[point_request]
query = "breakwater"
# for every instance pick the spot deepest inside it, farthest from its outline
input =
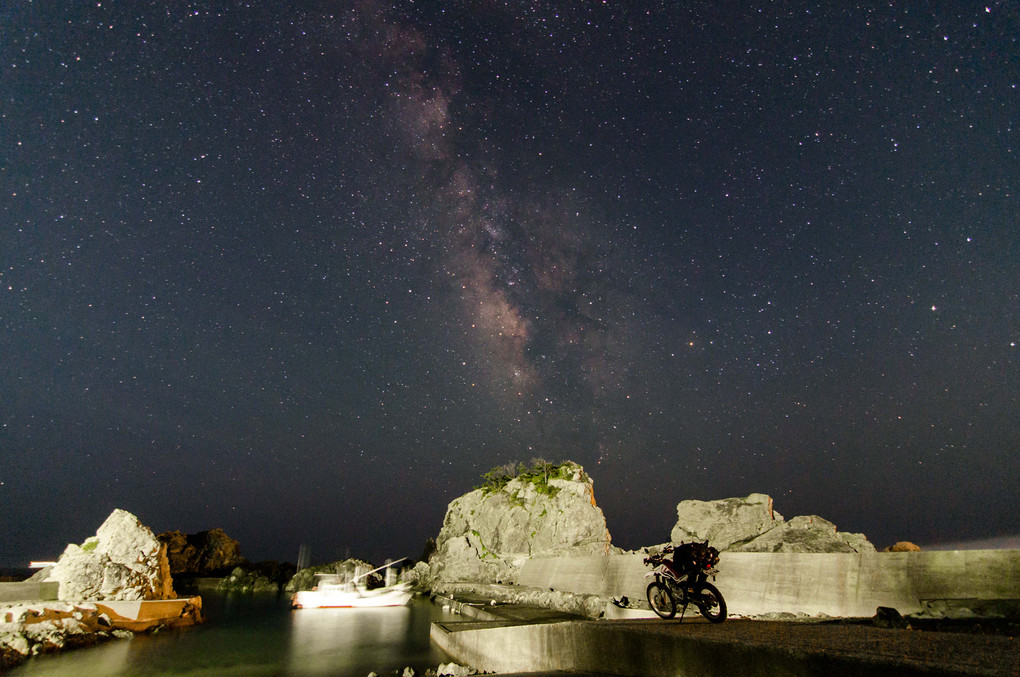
(961, 582)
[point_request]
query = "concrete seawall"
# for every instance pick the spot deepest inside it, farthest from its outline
(746, 648)
(29, 590)
(985, 582)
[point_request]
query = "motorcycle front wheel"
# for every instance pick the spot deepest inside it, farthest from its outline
(710, 602)
(660, 598)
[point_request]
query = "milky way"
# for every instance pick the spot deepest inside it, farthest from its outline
(306, 274)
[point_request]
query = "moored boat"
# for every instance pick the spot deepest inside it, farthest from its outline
(332, 591)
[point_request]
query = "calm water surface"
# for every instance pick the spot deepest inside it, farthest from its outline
(262, 636)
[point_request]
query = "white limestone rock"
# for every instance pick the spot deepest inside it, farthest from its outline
(488, 535)
(807, 533)
(123, 561)
(751, 524)
(725, 522)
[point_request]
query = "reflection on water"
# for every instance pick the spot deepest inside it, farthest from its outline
(262, 636)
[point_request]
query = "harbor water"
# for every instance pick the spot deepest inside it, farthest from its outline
(262, 636)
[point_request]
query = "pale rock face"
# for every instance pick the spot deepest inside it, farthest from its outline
(807, 533)
(123, 561)
(725, 522)
(752, 525)
(487, 537)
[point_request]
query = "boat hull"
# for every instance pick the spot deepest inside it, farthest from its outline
(335, 599)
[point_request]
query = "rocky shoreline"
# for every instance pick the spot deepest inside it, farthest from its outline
(520, 514)
(33, 628)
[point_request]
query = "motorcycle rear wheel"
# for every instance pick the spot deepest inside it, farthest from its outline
(661, 599)
(710, 602)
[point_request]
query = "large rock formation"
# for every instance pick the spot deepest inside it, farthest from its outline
(489, 533)
(751, 525)
(207, 553)
(123, 561)
(724, 522)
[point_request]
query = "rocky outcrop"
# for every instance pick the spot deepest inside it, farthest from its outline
(548, 510)
(207, 553)
(123, 561)
(752, 525)
(305, 579)
(247, 581)
(268, 576)
(31, 629)
(726, 522)
(806, 533)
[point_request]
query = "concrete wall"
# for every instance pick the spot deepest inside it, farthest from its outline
(835, 584)
(28, 590)
(639, 651)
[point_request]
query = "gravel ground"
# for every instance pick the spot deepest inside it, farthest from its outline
(961, 652)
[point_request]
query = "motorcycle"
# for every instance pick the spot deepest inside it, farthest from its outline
(683, 581)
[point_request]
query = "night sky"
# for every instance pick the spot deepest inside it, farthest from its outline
(305, 273)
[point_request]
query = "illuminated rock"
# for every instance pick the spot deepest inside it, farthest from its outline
(752, 525)
(123, 561)
(725, 522)
(806, 533)
(489, 533)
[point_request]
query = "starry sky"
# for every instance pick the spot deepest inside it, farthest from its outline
(305, 271)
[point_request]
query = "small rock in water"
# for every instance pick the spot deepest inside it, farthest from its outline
(454, 670)
(408, 672)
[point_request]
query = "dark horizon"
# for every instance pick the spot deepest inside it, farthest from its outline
(306, 275)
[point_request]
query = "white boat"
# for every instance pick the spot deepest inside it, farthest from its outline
(332, 591)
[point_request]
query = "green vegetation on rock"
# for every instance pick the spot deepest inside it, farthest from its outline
(539, 473)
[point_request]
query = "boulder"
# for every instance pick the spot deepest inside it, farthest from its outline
(903, 546)
(806, 533)
(752, 525)
(123, 561)
(726, 522)
(268, 576)
(206, 553)
(546, 511)
(247, 581)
